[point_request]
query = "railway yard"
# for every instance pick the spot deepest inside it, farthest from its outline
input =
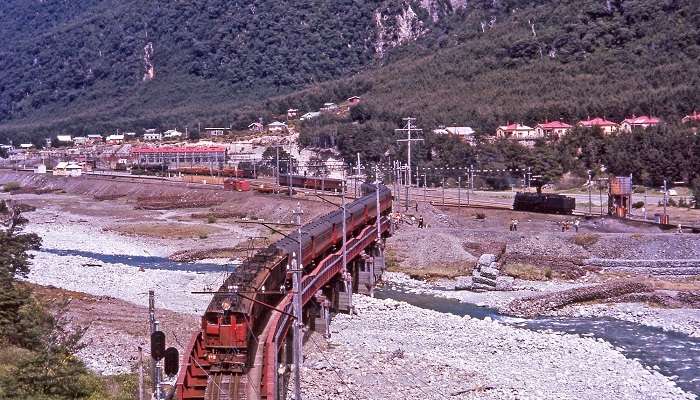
(106, 244)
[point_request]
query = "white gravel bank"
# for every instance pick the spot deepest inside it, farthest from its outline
(396, 351)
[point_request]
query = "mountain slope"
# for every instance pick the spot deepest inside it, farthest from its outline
(97, 65)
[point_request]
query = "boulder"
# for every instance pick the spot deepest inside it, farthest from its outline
(486, 259)
(489, 272)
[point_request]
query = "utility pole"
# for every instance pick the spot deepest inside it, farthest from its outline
(153, 327)
(140, 373)
(379, 211)
(471, 181)
(425, 185)
(590, 205)
(459, 190)
(358, 171)
(665, 193)
(298, 267)
(409, 129)
(443, 191)
(345, 237)
(528, 179)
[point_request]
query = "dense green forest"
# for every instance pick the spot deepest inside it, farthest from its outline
(78, 67)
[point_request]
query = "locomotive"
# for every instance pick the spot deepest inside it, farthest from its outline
(544, 203)
(238, 311)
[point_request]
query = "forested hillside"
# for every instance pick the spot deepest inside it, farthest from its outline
(104, 64)
(97, 65)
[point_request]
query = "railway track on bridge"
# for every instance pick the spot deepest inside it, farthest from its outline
(242, 348)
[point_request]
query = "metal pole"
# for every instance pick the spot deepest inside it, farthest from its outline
(277, 173)
(528, 179)
(157, 373)
(345, 249)
(471, 180)
(379, 211)
(600, 188)
(459, 191)
(153, 328)
(443, 190)
(590, 205)
(664, 221)
(296, 283)
(406, 198)
(425, 185)
(140, 373)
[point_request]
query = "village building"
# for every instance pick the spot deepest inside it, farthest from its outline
(95, 138)
(552, 130)
(80, 140)
(642, 122)
(26, 146)
(64, 139)
(67, 168)
(216, 132)
(310, 115)
(256, 127)
(276, 127)
(129, 135)
(694, 117)
(608, 127)
(292, 113)
(115, 139)
(464, 133)
(172, 134)
(152, 136)
(353, 101)
(329, 108)
(176, 157)
(522, 134)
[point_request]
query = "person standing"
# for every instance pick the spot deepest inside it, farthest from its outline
(577, 222)
(420, 222)
(515, 224)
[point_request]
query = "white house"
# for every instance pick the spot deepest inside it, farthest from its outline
(151, 136)
(276, 127)
(26, 146)
(65, 168)
(256, 127)
(643, 122)
(80, 140)
(464, 133)
(64, 139)
(329, 107)
(523, 134)
(95, 138)
(310, 115)
(552, 129)
(172, 134)
(115, 139)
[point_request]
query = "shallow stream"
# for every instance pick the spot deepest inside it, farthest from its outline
(673, 354)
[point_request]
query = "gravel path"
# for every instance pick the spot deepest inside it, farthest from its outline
(392, 350)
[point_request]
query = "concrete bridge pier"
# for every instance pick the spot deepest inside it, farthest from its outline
(342, 294)
(322, 314)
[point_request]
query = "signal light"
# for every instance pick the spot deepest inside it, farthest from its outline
(172, 361)
(157, 345)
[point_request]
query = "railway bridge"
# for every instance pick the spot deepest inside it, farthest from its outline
(243, 348)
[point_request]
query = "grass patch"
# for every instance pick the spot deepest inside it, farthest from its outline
(211, 219)
(11, 187)
(166, 231)
(528, 272)
(585, 239)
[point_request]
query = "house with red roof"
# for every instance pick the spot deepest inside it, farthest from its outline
(694, 117)
(552, 129)
(643, 122)
(608, 127)
(523, 134)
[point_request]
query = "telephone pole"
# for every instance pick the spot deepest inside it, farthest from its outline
(297, 268)
(409, 129)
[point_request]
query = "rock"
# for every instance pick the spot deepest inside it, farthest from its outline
(485, 281)
(489, 272)
(486, 259)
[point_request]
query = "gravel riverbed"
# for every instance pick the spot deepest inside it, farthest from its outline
(392, 350)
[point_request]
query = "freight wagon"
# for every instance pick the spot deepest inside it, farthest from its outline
(312, 182)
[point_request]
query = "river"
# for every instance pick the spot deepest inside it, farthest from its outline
(673, 354)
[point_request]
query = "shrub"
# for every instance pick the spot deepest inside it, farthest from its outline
(639, 189)
(203, 236)
(585, 239)
(11, 186)
(211, 219)
(638, 204)
(480, 215)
